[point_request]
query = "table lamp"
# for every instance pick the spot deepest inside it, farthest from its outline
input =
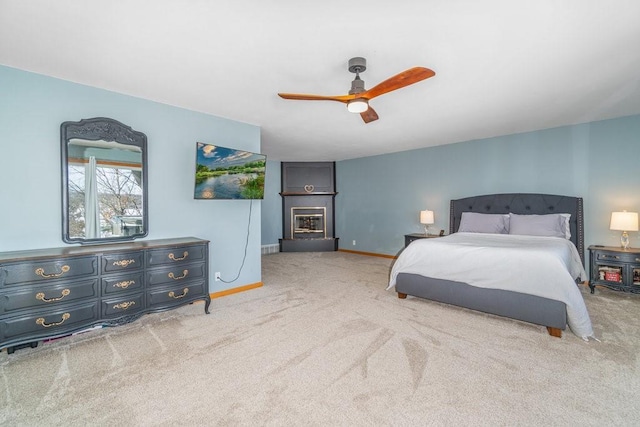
(624, 221)
(426, 218)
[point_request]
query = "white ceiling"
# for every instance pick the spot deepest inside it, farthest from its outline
(502, 66)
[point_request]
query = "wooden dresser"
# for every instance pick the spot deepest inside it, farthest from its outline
(48, 293)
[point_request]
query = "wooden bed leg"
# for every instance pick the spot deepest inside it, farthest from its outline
(554, 332)
(401, 295)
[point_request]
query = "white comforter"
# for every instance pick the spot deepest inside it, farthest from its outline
(542, 266)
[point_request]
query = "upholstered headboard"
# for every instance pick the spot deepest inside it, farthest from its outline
(523, 204)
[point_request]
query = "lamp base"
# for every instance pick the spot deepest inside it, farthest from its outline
(426, 230)
(624, 240)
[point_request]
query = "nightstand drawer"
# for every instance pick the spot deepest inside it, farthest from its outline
(622, 257)
(408, 238)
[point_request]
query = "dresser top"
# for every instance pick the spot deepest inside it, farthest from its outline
(68, 251)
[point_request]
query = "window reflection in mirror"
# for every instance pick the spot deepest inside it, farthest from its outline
(105, 189)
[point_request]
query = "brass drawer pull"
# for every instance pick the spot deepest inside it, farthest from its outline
(40, 272)
(124, 305)
(65, 292)
(173, 295)
(184, 274)
(124, 262)
(124, 284)
(40, 321)
(185, 254)
(603, 256)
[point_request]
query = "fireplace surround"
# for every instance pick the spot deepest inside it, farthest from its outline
(308, 200)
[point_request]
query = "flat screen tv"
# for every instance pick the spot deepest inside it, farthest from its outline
(225, 173)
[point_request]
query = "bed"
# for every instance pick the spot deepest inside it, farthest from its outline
(468, 269)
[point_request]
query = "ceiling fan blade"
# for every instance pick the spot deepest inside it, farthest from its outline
(405, 78)
(305, 97)
(369, 115)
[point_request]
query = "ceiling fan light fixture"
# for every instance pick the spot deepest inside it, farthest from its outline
(358, 105)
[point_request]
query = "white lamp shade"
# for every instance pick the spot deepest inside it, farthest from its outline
(426, 217)
(624, 221)
(357, 106)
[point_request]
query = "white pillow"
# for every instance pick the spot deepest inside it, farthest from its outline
(553, 225)
(472, 222)
(567, 226)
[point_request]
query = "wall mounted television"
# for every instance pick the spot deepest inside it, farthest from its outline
(226, 173)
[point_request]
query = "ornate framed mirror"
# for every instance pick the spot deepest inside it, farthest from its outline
(104, 181)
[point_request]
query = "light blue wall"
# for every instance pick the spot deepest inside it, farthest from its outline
(272, 205)
(379, 198)
(32, 107)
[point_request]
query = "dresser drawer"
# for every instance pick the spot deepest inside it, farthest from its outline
(604, 256)
(123, 305)
(48, 270)
(52, 322)
(175, 274)
(39, 295)
(175, 256)
(122, 283)
(176, 294)
(112, 263)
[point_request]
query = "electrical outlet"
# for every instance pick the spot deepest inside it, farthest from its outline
(354, 243)
(217, 276)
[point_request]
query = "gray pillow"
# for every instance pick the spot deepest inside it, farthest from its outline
(472, 222)
(552, 225)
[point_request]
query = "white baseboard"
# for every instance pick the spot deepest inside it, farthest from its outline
(270, 249)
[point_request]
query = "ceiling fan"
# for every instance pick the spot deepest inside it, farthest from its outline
(358, 98)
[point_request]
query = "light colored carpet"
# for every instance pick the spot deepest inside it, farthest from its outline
(322, 343)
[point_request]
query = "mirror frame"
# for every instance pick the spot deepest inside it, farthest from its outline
(101, 128)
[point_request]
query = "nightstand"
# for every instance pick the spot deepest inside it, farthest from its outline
(615, 268)
(408, 238)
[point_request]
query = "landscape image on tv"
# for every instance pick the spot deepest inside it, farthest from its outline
(225, 173)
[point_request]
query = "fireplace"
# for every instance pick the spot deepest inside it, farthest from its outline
(308, 193)
(308, 222)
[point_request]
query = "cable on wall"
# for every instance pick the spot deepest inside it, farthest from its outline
(246, 245)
